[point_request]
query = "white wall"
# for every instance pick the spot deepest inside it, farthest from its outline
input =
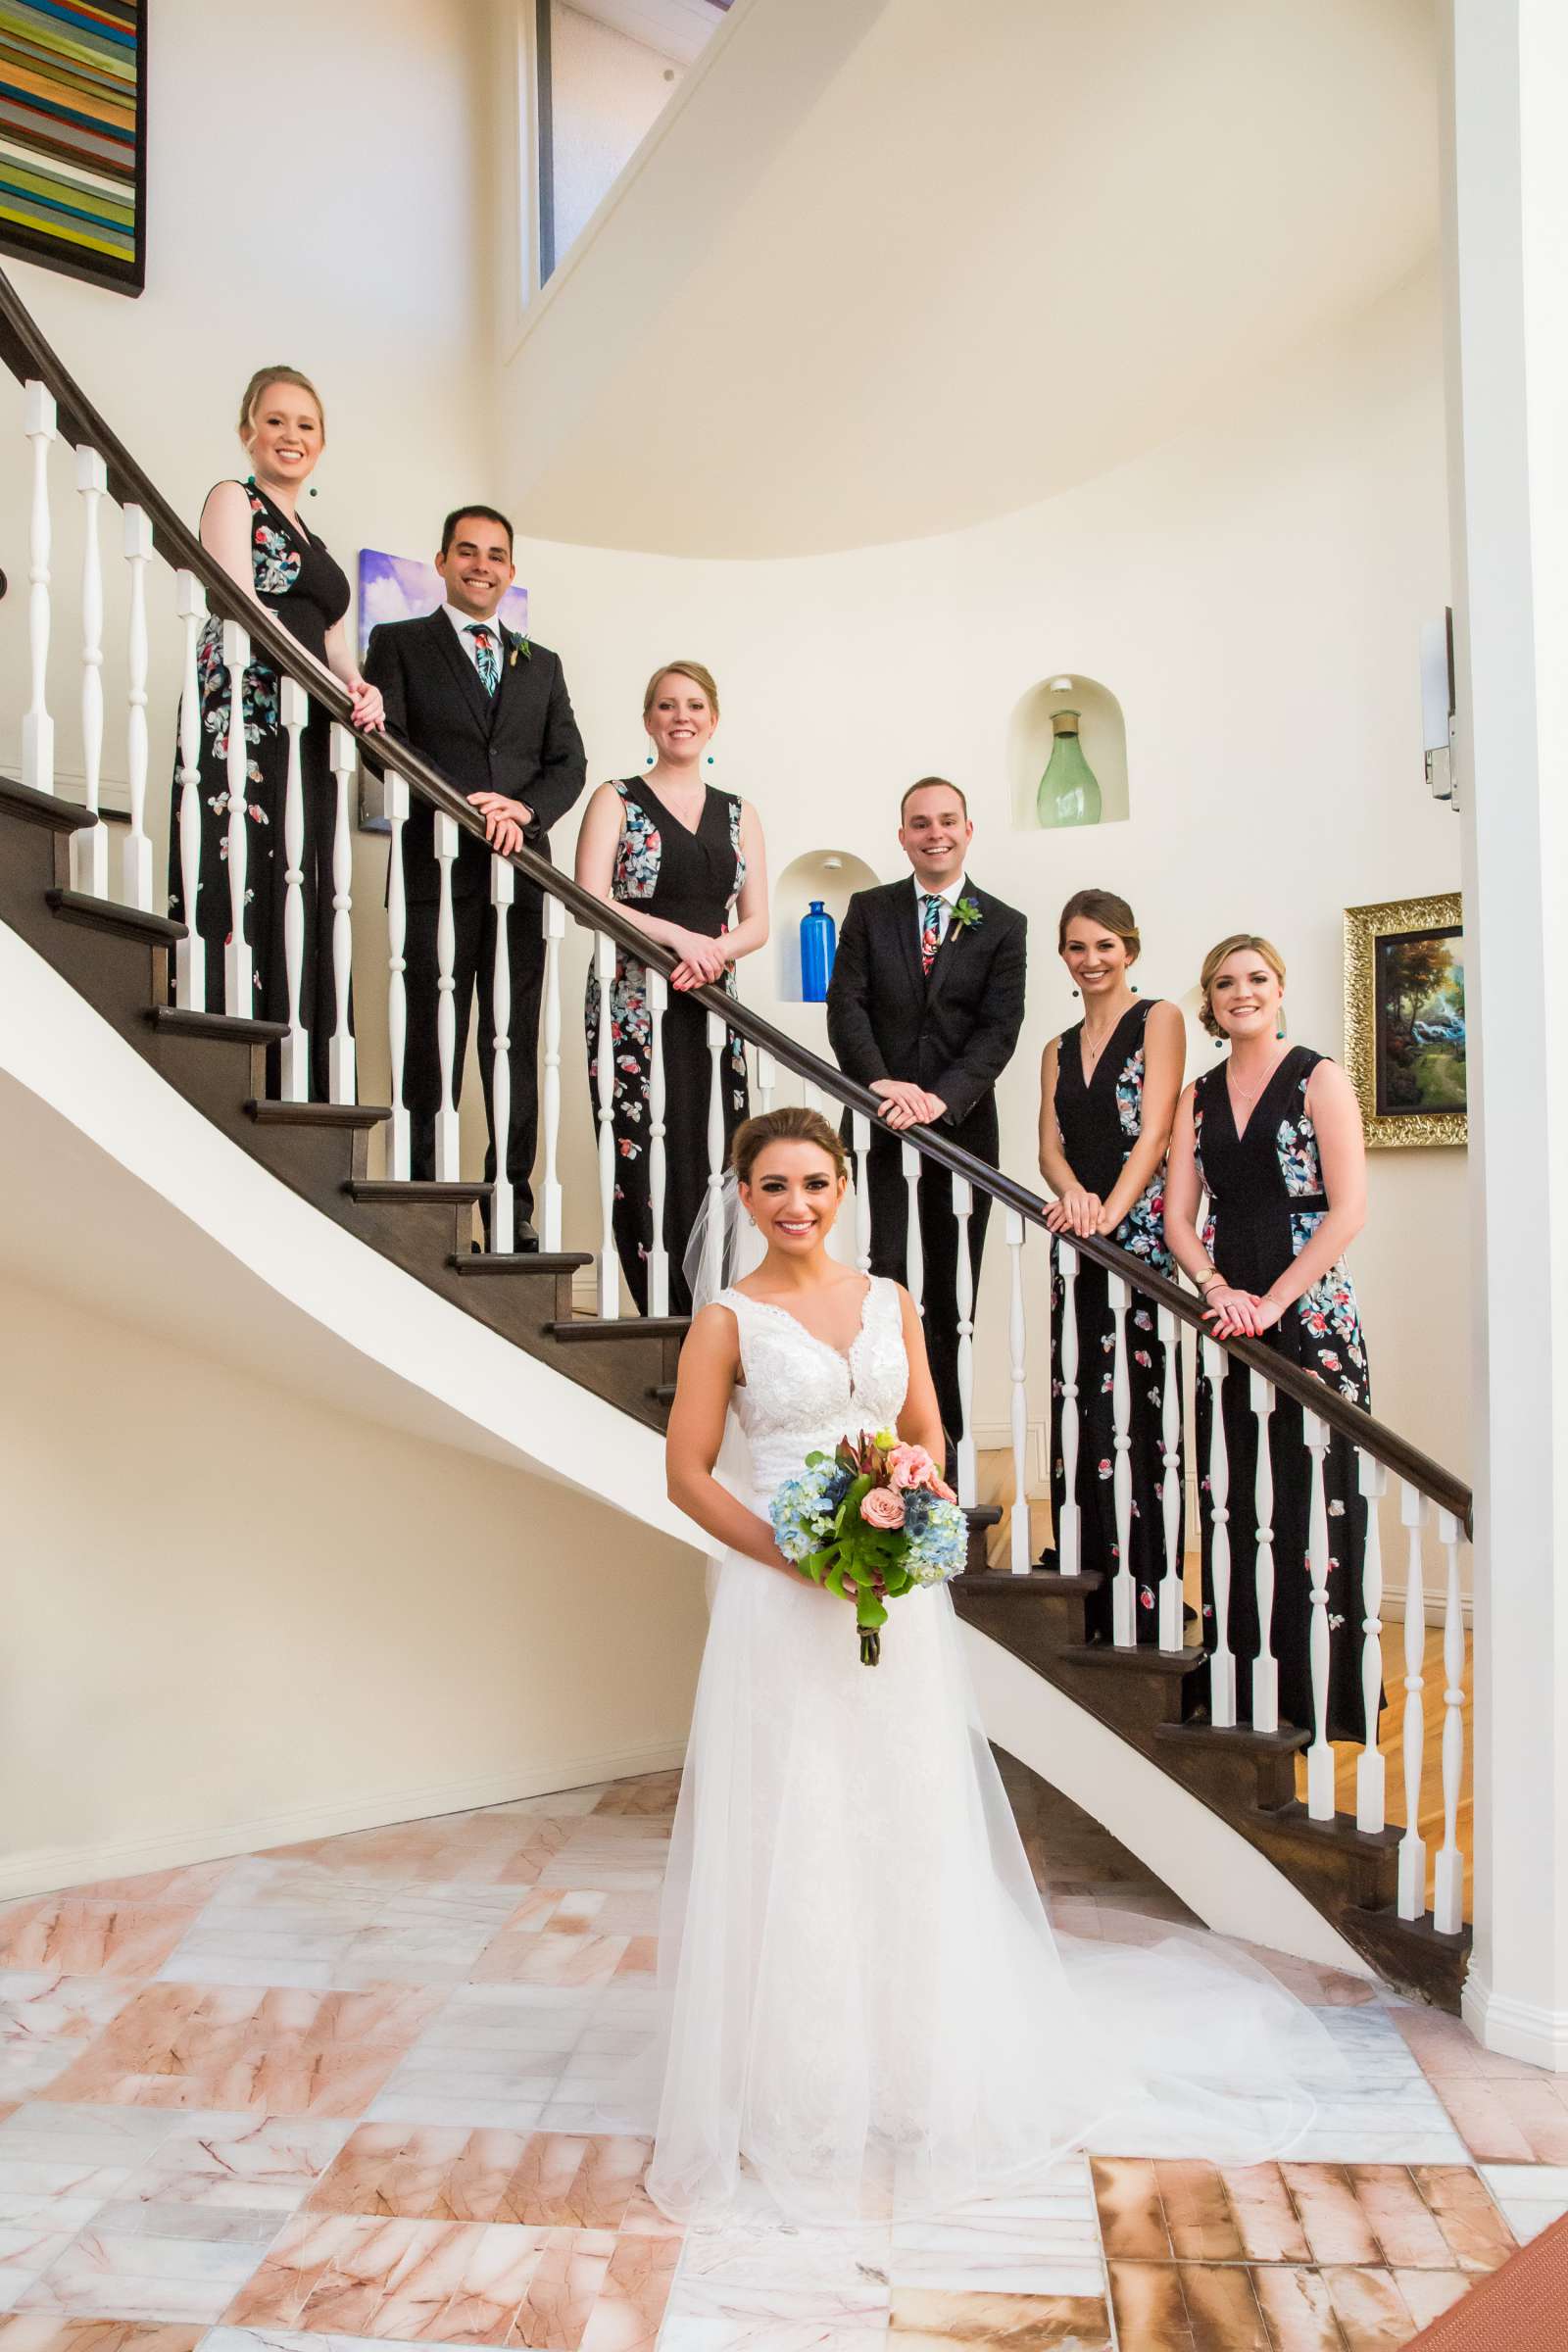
(1252, 593)
(607, 92)
(237, 1618)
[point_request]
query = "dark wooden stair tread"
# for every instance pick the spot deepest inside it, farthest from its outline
(1032, 1583)
(1145, 1658)
(316, 1114)
(414, 1192)
(524, 1261)
(1340, 1830)
(1236, 1738)
(44, 809)
(174, 1020)
(107, 914)
(621, 1327)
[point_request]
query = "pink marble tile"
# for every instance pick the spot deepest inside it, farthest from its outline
(48, 2331)
(640, 1958)
(1541, 2112)
(1336, 2227)
(563, 2290)
(1473, 2232)
(1427, 2294)
(630, 2306)
(301, 2256)
(1373, 2315)
(1403, 2223)
(73, 1938)
(1483, 2122)
(545, 1959)
(1266, 2220)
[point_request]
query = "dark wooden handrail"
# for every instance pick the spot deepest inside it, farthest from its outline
(28, 355)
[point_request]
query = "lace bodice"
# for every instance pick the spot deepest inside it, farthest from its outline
(800, 1394)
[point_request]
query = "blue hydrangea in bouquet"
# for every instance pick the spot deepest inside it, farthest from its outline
(870, 1521)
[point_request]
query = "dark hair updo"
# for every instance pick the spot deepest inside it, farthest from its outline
(790, 1125)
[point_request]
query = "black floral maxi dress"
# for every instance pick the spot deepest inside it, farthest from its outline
(1265, 1202)
(691, 878)
(1099, 1123)
(297, 579)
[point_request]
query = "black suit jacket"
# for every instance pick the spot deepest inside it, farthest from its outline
(953, 1033)
(523, 741)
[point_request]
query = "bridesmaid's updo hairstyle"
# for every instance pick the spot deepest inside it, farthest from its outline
(1237, 943)
(694, 671)
(790, 1125)
(261, 380)
(1101, 906)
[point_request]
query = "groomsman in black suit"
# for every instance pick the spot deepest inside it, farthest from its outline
(490, 709)
(924, 1007)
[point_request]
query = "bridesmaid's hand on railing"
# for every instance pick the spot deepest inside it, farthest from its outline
(701, 959)
(1237, 1313)
(1077, 1211)
(367, 715)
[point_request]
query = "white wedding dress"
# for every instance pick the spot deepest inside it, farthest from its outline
(862, 2004)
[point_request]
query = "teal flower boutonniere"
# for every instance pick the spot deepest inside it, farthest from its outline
(966, 915)
(522, 647)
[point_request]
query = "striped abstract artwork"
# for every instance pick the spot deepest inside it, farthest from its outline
(73, 136)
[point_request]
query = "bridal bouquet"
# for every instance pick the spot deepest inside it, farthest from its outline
(870, 1521)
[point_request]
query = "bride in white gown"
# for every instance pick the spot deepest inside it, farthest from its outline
(863, 2003)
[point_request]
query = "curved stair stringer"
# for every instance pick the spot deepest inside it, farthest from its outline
(120, 1190)
(1210, 1866)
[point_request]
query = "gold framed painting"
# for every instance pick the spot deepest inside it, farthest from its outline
(1404, 1020)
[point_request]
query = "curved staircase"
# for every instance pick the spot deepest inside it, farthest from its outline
(1369, 1880)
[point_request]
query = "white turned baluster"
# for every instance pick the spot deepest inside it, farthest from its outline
(136, 852)
(502, 1200)
(1320, 1755)
(1067, 1559)
(37, 728)
(659, 1254)
(1123, 1590)
(1222, 1661)
(294, 710)
(860, 1128)
(190, 953)
(1171, 1632)
(238, 966)
(342, 1077)
(1447, 1894)
(914, 1246)
(714, 1245)
(447, 1137)
(89, 850)
(1369, 1775)
(1412, 1846)
(963, 1210)
(1266, 1666)
(554, 933)
(766, 1079)
(604, 1060)
(1019, 1368)
(395, 792)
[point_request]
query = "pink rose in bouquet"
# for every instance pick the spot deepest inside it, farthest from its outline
(882, 1507)
(911, 1466)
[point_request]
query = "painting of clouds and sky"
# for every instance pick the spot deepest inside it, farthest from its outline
(402, 587)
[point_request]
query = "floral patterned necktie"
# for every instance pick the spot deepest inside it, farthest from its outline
(930, 931)
(487, 661)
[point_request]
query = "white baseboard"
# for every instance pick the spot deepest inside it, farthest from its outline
(48, 1869)
(1515, 2029)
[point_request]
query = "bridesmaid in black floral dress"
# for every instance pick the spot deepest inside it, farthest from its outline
(1108, 1088)
(252, 529)
(1273, 1137)
(677, 856)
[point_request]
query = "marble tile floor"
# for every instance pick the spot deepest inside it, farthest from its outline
(346, 2091)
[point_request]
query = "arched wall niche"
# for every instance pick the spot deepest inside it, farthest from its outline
(831, 875)
(1102, 730)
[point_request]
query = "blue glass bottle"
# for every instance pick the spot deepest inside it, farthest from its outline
(819, 946)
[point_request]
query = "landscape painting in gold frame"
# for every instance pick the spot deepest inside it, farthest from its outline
(1406, 1021)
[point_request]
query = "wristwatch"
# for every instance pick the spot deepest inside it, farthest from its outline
(1209, 1279)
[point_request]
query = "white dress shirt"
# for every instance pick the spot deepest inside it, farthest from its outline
(948, 896)
(463, 622)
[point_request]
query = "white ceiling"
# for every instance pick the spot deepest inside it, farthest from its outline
(1005, 249)
(677, 28)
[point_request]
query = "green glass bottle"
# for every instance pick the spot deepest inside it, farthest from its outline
(1069, 793)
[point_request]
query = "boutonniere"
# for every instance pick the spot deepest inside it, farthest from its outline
(967, 916)
(522, 647)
